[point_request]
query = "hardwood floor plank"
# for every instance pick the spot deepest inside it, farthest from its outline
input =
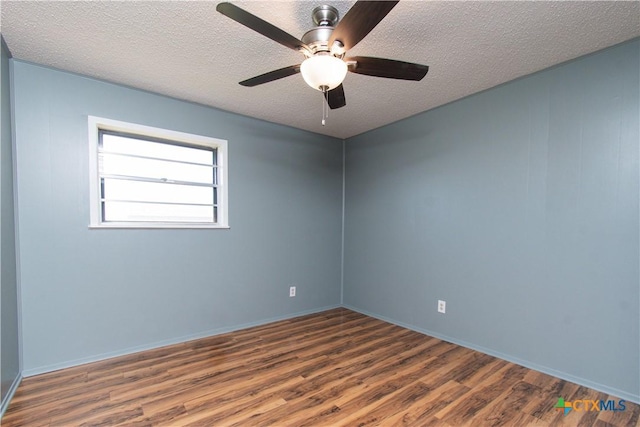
(479, 367)
(425, 408)
(166, 417)
(335, 368)
(385, 409)
(467, 405)
(81, 413)
(113, 417)
(508, 406)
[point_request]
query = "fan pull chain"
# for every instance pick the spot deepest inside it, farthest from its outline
(323, 121)
(325, 108)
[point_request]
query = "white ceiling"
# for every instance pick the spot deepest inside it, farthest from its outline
(187, 50)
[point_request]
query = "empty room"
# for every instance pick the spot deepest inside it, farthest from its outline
(300, 213)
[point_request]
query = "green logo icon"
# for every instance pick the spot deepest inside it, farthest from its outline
(563, 406)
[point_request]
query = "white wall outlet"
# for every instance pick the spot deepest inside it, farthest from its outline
(292, 291)
(442, 306)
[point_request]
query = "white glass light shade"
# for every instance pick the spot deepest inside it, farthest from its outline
(323, 70)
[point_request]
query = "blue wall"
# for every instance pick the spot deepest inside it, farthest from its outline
(9, 345)
(518, 206)
(88, 294)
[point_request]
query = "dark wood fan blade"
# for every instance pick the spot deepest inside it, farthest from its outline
(335, 97)
(359, 21)
(261, 26)
(389, 68)
(271, 76)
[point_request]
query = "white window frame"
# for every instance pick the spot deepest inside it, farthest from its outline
(96, 124)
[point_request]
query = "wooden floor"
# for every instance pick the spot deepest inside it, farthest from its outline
(335, 368)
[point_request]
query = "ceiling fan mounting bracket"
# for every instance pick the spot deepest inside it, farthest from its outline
(325, 16)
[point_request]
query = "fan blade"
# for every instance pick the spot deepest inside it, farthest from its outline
(263, 27)
(271, 76)
(389, 68)
(335, 97)
(359, 21)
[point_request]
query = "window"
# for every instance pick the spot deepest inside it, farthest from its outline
(144, 177)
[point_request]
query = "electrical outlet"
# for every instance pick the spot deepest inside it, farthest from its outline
(292, 291)
(442, 306)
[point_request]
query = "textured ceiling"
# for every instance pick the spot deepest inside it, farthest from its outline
(189, 51)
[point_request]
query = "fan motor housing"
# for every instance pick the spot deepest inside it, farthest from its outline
(318, 39)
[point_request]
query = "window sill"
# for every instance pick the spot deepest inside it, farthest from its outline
(124, 225)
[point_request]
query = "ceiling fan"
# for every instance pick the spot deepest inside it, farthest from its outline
(324, 47)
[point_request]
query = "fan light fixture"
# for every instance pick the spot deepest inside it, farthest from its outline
(323, 72)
